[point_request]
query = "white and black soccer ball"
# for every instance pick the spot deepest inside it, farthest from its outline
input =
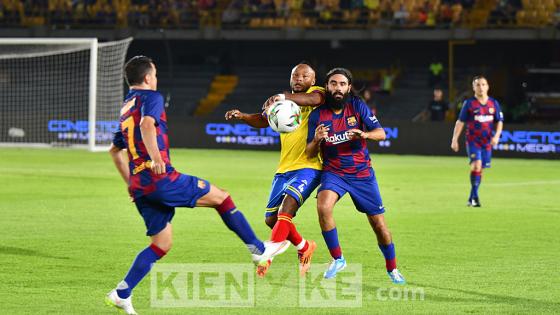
(284, 116)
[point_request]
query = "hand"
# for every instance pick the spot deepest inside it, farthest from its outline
(354, 134)
(455, 145)
(495, 141)
(157, 167)
(321, 133)
(233, 114)
(271, 100)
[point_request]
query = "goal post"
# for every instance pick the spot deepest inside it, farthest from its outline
(60, 92)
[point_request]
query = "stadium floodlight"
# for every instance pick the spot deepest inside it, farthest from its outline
(60, 91)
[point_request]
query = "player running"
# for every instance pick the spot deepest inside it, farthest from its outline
(339, 129)
(156, 187)
(480, 113)
(297, 175)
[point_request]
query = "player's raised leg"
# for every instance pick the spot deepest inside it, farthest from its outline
(384, 240)
(326, 199)
(235, 221)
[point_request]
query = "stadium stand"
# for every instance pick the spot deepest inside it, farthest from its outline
(277, 14)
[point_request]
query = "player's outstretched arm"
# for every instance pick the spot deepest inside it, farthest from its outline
(459, 125)
(496, 138)
(313, 99)
(254, 120)
(121, 161)
(306, 99)
(149, 136)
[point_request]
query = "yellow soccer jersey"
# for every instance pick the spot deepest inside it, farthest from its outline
(292, 153)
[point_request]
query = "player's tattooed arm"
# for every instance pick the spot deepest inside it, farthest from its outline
(121, 161)
(306, 99)
(254, 120)
(459, 125)
(496, 137)
(313, 99)
(377, 134)
(149, 136)
(312, 148)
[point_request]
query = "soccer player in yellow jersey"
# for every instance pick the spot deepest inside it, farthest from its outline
(297, 175)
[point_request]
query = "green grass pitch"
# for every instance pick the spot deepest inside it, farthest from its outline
(69, 233)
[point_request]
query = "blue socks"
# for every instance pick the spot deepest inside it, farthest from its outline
(390, 256)
(235, 221)
(139, 269)
(331, 238)
(476, 178)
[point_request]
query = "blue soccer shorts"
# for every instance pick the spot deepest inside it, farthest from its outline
(158, 208)
(364, 192)
(299, 184)
(476, 153)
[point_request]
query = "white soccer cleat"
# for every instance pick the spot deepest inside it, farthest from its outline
(396, 277)
(271, 250)
(113, 299)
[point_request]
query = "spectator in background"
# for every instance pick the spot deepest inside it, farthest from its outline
(283, 9)
(438, 106)
(387, 79)
(436, 73)
(505, 11)
(232, 14)
(308, 7)
(367, 96)
(400, 16)
(267, 9)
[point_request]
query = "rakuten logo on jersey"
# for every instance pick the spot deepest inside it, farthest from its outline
(338, 138)
(484, 118)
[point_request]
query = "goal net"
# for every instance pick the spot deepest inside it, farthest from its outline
(60, 91)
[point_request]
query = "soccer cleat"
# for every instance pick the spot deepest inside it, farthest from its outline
(305, 258)
(114, 300)
(335, 266)
(271, 250)
(474, 202)
(396, 276)
(262, 268)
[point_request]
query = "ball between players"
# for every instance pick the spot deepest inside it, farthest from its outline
(284, 116)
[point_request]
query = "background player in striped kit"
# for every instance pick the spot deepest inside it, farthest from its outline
(481, 114)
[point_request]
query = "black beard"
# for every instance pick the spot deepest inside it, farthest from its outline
(334, 103)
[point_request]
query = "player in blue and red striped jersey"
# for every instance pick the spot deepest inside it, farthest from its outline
(339, 130)
(481, 114)
(156, 187)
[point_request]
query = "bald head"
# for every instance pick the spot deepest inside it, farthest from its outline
(302, 78)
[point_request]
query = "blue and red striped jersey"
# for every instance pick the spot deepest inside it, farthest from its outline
(138, 104)
(479, 119)
(341, 156)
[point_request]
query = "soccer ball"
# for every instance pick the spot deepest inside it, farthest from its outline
(284, 116)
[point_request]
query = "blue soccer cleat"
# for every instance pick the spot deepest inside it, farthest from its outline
(335, 266)
(396, 276)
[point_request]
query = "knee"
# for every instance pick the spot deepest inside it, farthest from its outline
(380, 228)
(325, 217)
(270, 221)
(323, 209)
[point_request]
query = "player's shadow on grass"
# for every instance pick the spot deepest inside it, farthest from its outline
(484, 297)
(6, 250)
